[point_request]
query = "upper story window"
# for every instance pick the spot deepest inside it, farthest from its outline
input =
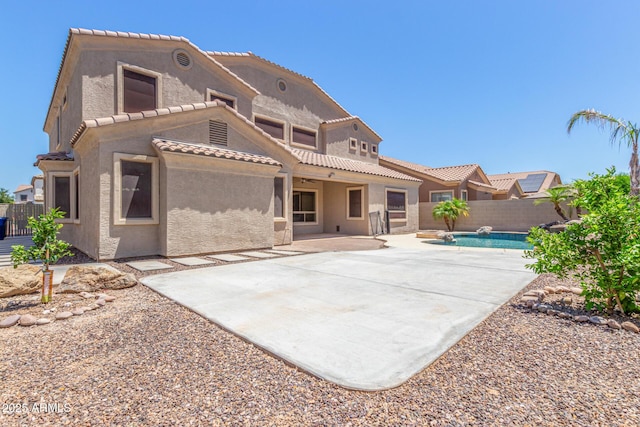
(213, 95)
(273, 128)
(304, 137)
(138, 89)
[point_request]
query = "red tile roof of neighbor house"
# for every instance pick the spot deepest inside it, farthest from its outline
(446, 173)
(340, 163)
(23, 187)
(211, 151)
(504, 181)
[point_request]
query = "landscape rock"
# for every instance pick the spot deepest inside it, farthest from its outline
(100, 302)
(565, 315)
(566, 301)
(81, 278)
(484, 230)
(23, 280)
(560, 289)
(576, 291)
(447, 237)
(63, 315)
(631, 327)
(597, 320)
(43, 321)
(613, 324)
(550, 290)
(77, 312)
(109, 298)
(27, 320)
(8, 322)
(86, 295)
(581, 318)
(542, 308)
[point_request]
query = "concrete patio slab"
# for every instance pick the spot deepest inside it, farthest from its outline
(365, 320)
(228, 257)
(256, 254)
(148, 265)
(192, 261)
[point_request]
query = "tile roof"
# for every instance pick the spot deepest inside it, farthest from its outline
(55, 156)
(211, 151)
(503, 184)
(23, 187)
(506, 180)
(340, 163)
(447, 173)
(482, 184)
(349, 119)
(408, 165)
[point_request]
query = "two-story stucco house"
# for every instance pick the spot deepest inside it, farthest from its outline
(159, 147)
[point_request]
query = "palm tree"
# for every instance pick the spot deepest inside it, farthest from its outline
(621, 130)
(555, 196)
(450, 210)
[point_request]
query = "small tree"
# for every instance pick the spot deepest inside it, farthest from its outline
(46, 247)
(5, 196)
(556, 196)
(450, 210)
(602, 251)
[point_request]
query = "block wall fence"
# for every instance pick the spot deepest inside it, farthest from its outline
(502, 215)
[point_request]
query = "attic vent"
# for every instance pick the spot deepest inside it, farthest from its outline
(217, 132)
(182, 59)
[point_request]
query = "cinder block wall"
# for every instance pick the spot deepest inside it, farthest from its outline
(502, 215)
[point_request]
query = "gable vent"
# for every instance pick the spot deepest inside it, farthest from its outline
(182, 59)
(217, 132)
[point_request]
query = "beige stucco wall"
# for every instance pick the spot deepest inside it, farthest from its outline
(215, 205)
(502, 215)
(377, 202)
(337, 142)
(335, 210)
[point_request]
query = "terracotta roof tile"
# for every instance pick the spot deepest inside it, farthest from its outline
(482, 184)
(349, 119)
(23, 187)
(340, 163)
(506, 180)
(55, 156)
(447, 173)
(503, 184)
(211, 151)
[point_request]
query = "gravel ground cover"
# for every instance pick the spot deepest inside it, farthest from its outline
(144, 360)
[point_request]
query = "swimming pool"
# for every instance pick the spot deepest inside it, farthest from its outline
(494, 240)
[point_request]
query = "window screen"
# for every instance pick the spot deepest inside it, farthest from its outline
(139, 92)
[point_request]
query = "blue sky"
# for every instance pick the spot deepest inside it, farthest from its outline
(443, 82)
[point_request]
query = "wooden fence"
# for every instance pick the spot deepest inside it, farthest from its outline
(17, 216)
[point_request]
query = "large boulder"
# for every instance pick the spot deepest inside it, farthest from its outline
(25, 279)
(81, 278)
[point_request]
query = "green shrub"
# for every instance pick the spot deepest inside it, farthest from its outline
(602, 251)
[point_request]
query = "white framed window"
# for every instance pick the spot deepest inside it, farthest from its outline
(230, 100)
(275, 128)
(135, 189)
(464, 195)
(76, 195)
(60, 188)
(374, 149)
(440, 196)
(305, 206)
(364, 147)
(353, 144)
(396, 204)
(355, 203)
(280, 197)
(303, 137)
(138, 89)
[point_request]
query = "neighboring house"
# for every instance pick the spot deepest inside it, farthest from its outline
(23, 194)
(524, 184)
(158, 147)
(37, 182)
(466, 182)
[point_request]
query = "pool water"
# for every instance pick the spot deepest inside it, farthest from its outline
(493, 240)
